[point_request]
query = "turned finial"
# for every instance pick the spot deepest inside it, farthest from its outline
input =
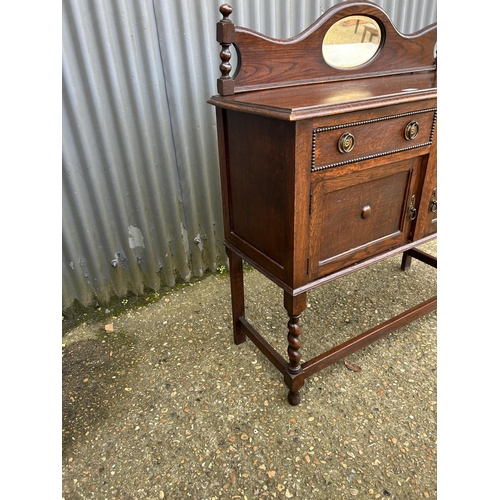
(225, 36)
(225, 9)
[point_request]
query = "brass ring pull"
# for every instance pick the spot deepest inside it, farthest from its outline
(411, 131)
(346, 143)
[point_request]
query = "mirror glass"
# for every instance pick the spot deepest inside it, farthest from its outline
(351, 42)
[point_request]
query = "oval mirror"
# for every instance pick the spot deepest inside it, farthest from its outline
(351, 42)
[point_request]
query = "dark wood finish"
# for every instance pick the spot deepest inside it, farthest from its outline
(339, 234)
(352, 345)
(430, 260)
(389, 138)
(267, 62)
(406, 261)
(335, 275)
(237, 294)
(324, 171)
(427, 222)
(294, 376)
(328, 99)
(258, 220)
(225, 36)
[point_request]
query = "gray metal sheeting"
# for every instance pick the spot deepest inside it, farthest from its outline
(141, 197)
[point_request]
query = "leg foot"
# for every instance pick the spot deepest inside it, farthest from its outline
(294, 397)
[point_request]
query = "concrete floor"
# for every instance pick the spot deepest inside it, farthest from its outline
(166, 406)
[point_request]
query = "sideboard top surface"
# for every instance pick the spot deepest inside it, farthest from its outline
(322, 99)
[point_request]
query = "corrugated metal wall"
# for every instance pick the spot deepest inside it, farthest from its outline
(141, 197)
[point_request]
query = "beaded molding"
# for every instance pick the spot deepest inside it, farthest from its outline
(364, 122)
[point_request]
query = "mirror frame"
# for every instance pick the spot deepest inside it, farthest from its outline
(364, 61)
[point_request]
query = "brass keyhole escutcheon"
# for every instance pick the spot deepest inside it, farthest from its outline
(412, 211)
(346, 143)
(411, 131)
(433, 206)
(366, 212)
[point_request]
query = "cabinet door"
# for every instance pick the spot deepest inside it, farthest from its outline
(426, 223)
(358, 214)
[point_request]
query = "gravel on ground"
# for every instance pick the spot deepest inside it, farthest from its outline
(158, 402)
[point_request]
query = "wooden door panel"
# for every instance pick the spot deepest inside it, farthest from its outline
(361, 214)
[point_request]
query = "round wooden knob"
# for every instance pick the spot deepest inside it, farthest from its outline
(366, 212)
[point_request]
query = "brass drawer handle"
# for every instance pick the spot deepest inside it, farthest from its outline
(346, 143)
(411, 131)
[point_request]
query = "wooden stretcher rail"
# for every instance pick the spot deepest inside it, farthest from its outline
(269, 351)
(340, 351)
(352, 345)
(423, 257)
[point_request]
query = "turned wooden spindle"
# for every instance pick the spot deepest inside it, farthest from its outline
(294, 377)
(294, 343)
(294, 367)
(225, 37)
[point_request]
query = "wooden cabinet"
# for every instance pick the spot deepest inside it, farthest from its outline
(325, 170)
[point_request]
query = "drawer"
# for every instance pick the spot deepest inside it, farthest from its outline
(344, 143)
